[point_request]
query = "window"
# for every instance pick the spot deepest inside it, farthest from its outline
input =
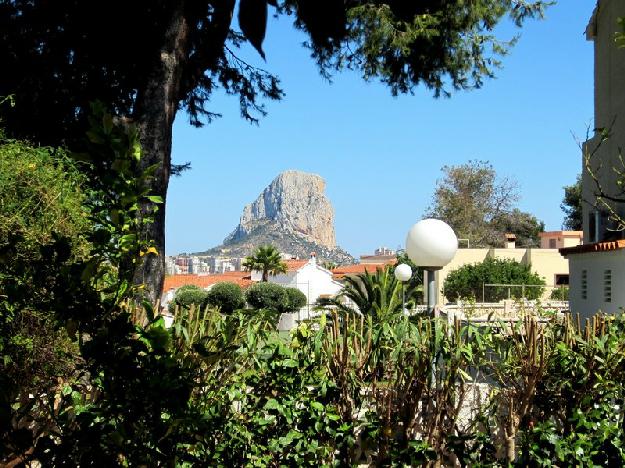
(562, 280)
(607, 285)
(552, 243)
(584, 284)
(592, 227)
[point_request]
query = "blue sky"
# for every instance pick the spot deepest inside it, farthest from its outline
(381, 156)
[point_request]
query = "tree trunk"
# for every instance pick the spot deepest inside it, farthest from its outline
(155, 111)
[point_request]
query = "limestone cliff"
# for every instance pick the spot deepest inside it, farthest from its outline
(294, 215)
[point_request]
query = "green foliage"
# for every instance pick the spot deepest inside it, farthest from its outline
(43, 229)
(378, 295)
(188, 295)
(479, 206)
(443, 46)
(227, 296)
(466, 282)
(620, 35)
(296, 299)
(267, 296)
(572, 206)
(266, 259)
(416, 280)
(41, 193)
(578, 418)
(119, 191)
(124, 386)
(560, 294)
(525, 226)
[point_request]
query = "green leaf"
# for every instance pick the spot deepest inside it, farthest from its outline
(155, 198)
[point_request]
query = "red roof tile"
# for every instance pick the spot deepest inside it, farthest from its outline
(359, 268)
(242, 278)
(595, 247)
(294, 265)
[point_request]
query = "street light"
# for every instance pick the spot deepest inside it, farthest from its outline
(403, 273)
(431, 244)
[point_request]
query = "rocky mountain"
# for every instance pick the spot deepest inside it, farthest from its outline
(294, 215)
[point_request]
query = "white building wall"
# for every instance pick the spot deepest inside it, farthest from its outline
(312, 280)
(595, 264)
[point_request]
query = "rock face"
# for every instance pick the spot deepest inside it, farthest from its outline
(294, 201)
(294, 215)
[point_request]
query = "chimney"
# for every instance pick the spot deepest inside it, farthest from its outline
(510, 241)
(313, 257)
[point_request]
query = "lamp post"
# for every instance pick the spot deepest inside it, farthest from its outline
(403, 273)
(431, 244)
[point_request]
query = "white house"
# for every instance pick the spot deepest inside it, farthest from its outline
(597, 268)
(311, 279)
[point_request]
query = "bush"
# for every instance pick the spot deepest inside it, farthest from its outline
(467, 281)
(188, 295)
(42, 232)
(267, 296)
(560, 294)
(227, 296)
(40, 194)
(296, 300)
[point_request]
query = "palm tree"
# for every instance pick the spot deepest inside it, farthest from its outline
(266, 259)
(378, 294)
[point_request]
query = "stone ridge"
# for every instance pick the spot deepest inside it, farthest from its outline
(294, 215)
(294, 201)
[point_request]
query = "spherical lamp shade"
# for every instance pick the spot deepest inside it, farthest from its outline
(431, 243)
(403, 272)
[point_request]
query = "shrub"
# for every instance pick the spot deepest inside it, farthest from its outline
(468, 280)
(560, 294)
(227, 296)
(40, 194)
(296, 299)
(267, 296)
(42, 232)
(189, 295)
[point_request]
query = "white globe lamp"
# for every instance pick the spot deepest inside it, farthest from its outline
(431, 244)
(403, 272)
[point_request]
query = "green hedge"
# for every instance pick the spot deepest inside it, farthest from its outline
(467, 281)
(189, 295)
(296, 299)
(267, 296)
(227, 296)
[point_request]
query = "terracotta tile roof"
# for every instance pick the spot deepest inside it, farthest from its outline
(294, 265)
(595, 247)
(359, 268)
(242, 278)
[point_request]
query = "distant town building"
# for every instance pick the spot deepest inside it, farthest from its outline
(201, 264)
(381, 255)
(560, 239)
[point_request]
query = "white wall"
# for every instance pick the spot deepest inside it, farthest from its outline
(595, 264)
(314, 281)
